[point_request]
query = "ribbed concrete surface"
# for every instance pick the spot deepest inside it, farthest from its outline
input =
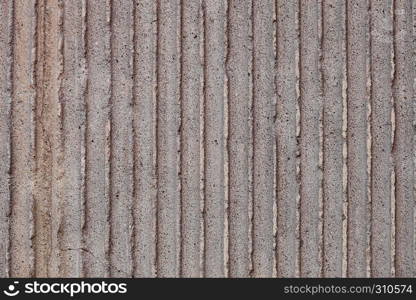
(207, 138)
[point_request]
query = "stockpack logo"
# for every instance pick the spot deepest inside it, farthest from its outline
(12, 290)
(71, 289)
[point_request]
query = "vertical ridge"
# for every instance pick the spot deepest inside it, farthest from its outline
(143, 126)
(332, 61)
(40, 207)
(404, 139)
(237, 71)
(167, 129)
(96, 227)
(73, 118)
(23, 99)
(47, 185)
(286, 139)
(263, 93)
(214, 137)
(6, 27)
(357, 137)
(190, 131)
(121, 182)
(309, 139)
(381, 22)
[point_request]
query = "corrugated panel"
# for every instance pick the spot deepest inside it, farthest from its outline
(207, 138)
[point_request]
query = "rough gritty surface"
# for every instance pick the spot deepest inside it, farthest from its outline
(357, 27)
(207, 138)
(309, 105)
(381, 44)
(332, 137)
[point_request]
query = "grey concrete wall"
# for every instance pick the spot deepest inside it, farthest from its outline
(207, 138)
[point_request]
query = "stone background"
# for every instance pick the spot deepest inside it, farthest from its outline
(240, 138)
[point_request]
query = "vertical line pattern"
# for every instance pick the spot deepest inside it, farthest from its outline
(214, 137)
(237, 72)
(167, 129)
(22, 166)
(403, 139)
(263, 137)
(42, 222)
(73, 111)
(309, 139)
(286, 139)
(332, 73)
(121, 185)
(381, 22)
(143, 127)
(144, 138)
(190, 130)
(96, 228)
(357, 137)
(6, 27)
(47, 195)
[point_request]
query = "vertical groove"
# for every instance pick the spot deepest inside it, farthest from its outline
(48, 142)
(135, 143)
(414, 111)
(237, 71)
(167, 129)
(309, 140)
(357, 137)
(96, 230)
(263, 94)
(404, 138)
(73, 115)
(121, 184)
(286, 140)
(6, 12)
(381, 22)
(23, 94)
(190, 129)
(144, 139)
(214, 137)
(41, 207)
(332, 137)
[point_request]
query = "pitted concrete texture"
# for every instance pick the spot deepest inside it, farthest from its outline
(207, 138)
